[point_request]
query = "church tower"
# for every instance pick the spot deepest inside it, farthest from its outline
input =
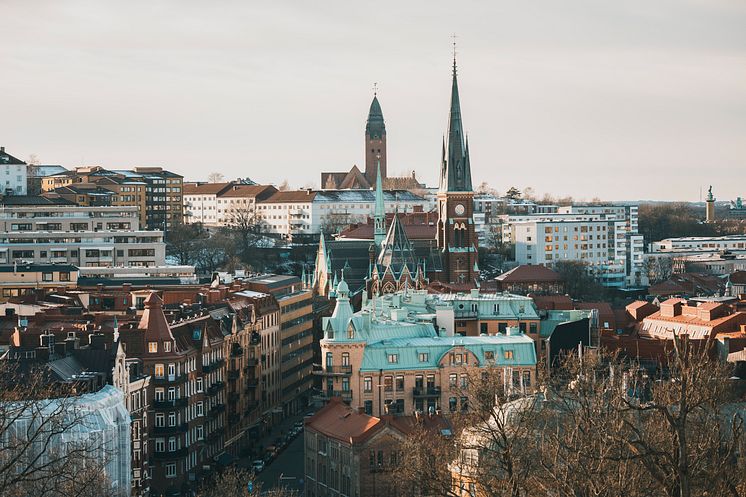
(379, 215)
(375, 142)
(457, 239)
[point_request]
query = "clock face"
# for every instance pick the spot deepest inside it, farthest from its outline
(460, 209)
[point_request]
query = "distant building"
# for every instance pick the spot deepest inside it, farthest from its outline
(37, 172)
(691, 245)
(223, 204)
(13, 174)
(24, 279)
(535, 279)
(710, 207)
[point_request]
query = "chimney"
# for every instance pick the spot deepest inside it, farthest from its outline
(360, 410)
(2, 149)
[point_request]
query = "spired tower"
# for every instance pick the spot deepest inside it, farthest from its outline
(456, 237)
(375, 142)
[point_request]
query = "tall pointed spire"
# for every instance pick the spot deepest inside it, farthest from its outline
(455, 166)
(379, 216)
(375, 140)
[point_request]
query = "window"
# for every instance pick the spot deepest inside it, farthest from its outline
(345, 358)
(489, 355)
(200, 408)
(533, 328)
(171, 370)
(400, 383)
(452, 380)
(172, 444)
(64, 276)
(483, 328)
(368, 406)
(159, 395)
(508, 354)
(419, 381)
(158, 371)
(160, 419)
(329, 359)
(153, 347)
(388, 383)
(368, 384)
(527, 378)
(171, 470)
(160, 445)
(464, 381)
(424, 357)
(345, 384)
(200, 432)
(199, 385)
(166, 346)
(464, 404)
(393, 358)
(452, 404)
(171, 419)
(46, 276)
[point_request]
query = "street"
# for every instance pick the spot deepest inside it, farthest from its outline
(288, 465)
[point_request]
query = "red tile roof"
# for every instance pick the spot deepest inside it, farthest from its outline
(249, 191)
(341, 422)
(205, 189)
(292, 196)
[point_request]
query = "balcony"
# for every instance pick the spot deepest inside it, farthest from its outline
(234, 374)
(465, 314)
(334, 371)
(169, 379)
(215, 388)
(216, 409)
(426, 392)
(345, 394)
(170, 404)
(236, 350)
(170, 430)
(208, 368)
(174, 454)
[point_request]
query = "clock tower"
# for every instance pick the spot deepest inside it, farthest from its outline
(457, 239)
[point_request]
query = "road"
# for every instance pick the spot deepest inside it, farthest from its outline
(289, 465)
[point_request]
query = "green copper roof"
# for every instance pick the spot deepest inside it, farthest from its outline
(375, 125)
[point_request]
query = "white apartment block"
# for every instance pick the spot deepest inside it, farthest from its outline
(83, 236)
(700, 245)
(605, 237)
(13, 174)
(309, 212)
(222, 204)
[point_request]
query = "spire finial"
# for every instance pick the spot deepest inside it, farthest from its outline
(454, 53)
(375, 89)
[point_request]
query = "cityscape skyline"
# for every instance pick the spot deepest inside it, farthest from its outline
(609, 93)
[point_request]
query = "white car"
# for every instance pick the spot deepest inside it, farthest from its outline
(257, 466)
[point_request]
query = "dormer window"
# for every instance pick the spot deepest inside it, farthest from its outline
(153, 347)
(166, 346)
(350, 332)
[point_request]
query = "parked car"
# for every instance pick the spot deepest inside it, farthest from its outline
(257, 466)
(298, 425)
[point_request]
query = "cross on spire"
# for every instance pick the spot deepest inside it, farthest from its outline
(454, 52)
(375, 89)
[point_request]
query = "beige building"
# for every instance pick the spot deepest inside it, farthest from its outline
(391, 360)
(22, 279)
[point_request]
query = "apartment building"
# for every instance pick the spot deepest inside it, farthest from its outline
(13, 174)
(295, 338)
(308, 212)
(223, 204)
(156, 192)
(83, 236)
(392, 360)
(606, 238)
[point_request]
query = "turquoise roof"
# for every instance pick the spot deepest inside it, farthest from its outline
(556, 318)
(408, 350)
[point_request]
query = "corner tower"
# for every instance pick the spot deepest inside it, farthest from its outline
(456, 237)
(375, 141)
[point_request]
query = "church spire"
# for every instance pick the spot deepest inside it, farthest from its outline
(455, 166)
(379, 216)
(375, 140)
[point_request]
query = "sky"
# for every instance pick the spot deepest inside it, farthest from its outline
(620, 100)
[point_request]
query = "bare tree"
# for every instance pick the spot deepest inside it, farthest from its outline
(215, 177)
(36, 456)
(234, 482)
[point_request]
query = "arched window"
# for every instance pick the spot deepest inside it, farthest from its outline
(345, 358)
(350, 332)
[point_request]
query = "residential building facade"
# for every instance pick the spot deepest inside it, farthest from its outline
(13, 174)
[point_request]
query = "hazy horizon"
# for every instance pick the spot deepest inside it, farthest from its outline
(621, 101)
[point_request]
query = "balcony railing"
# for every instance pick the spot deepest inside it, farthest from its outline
(173, 454)
(334, 370)
(207, 368)
(216, 409)
(170, 404)
(160, 380)
(170, 430)
(465, 314)
(426, 392)
(215, 388)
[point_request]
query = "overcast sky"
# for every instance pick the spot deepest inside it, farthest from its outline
(634, 99)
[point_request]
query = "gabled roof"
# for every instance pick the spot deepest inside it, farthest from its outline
(341, 422)
(355, 180)
(206, 189)
(6, 158)
(153, 320)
